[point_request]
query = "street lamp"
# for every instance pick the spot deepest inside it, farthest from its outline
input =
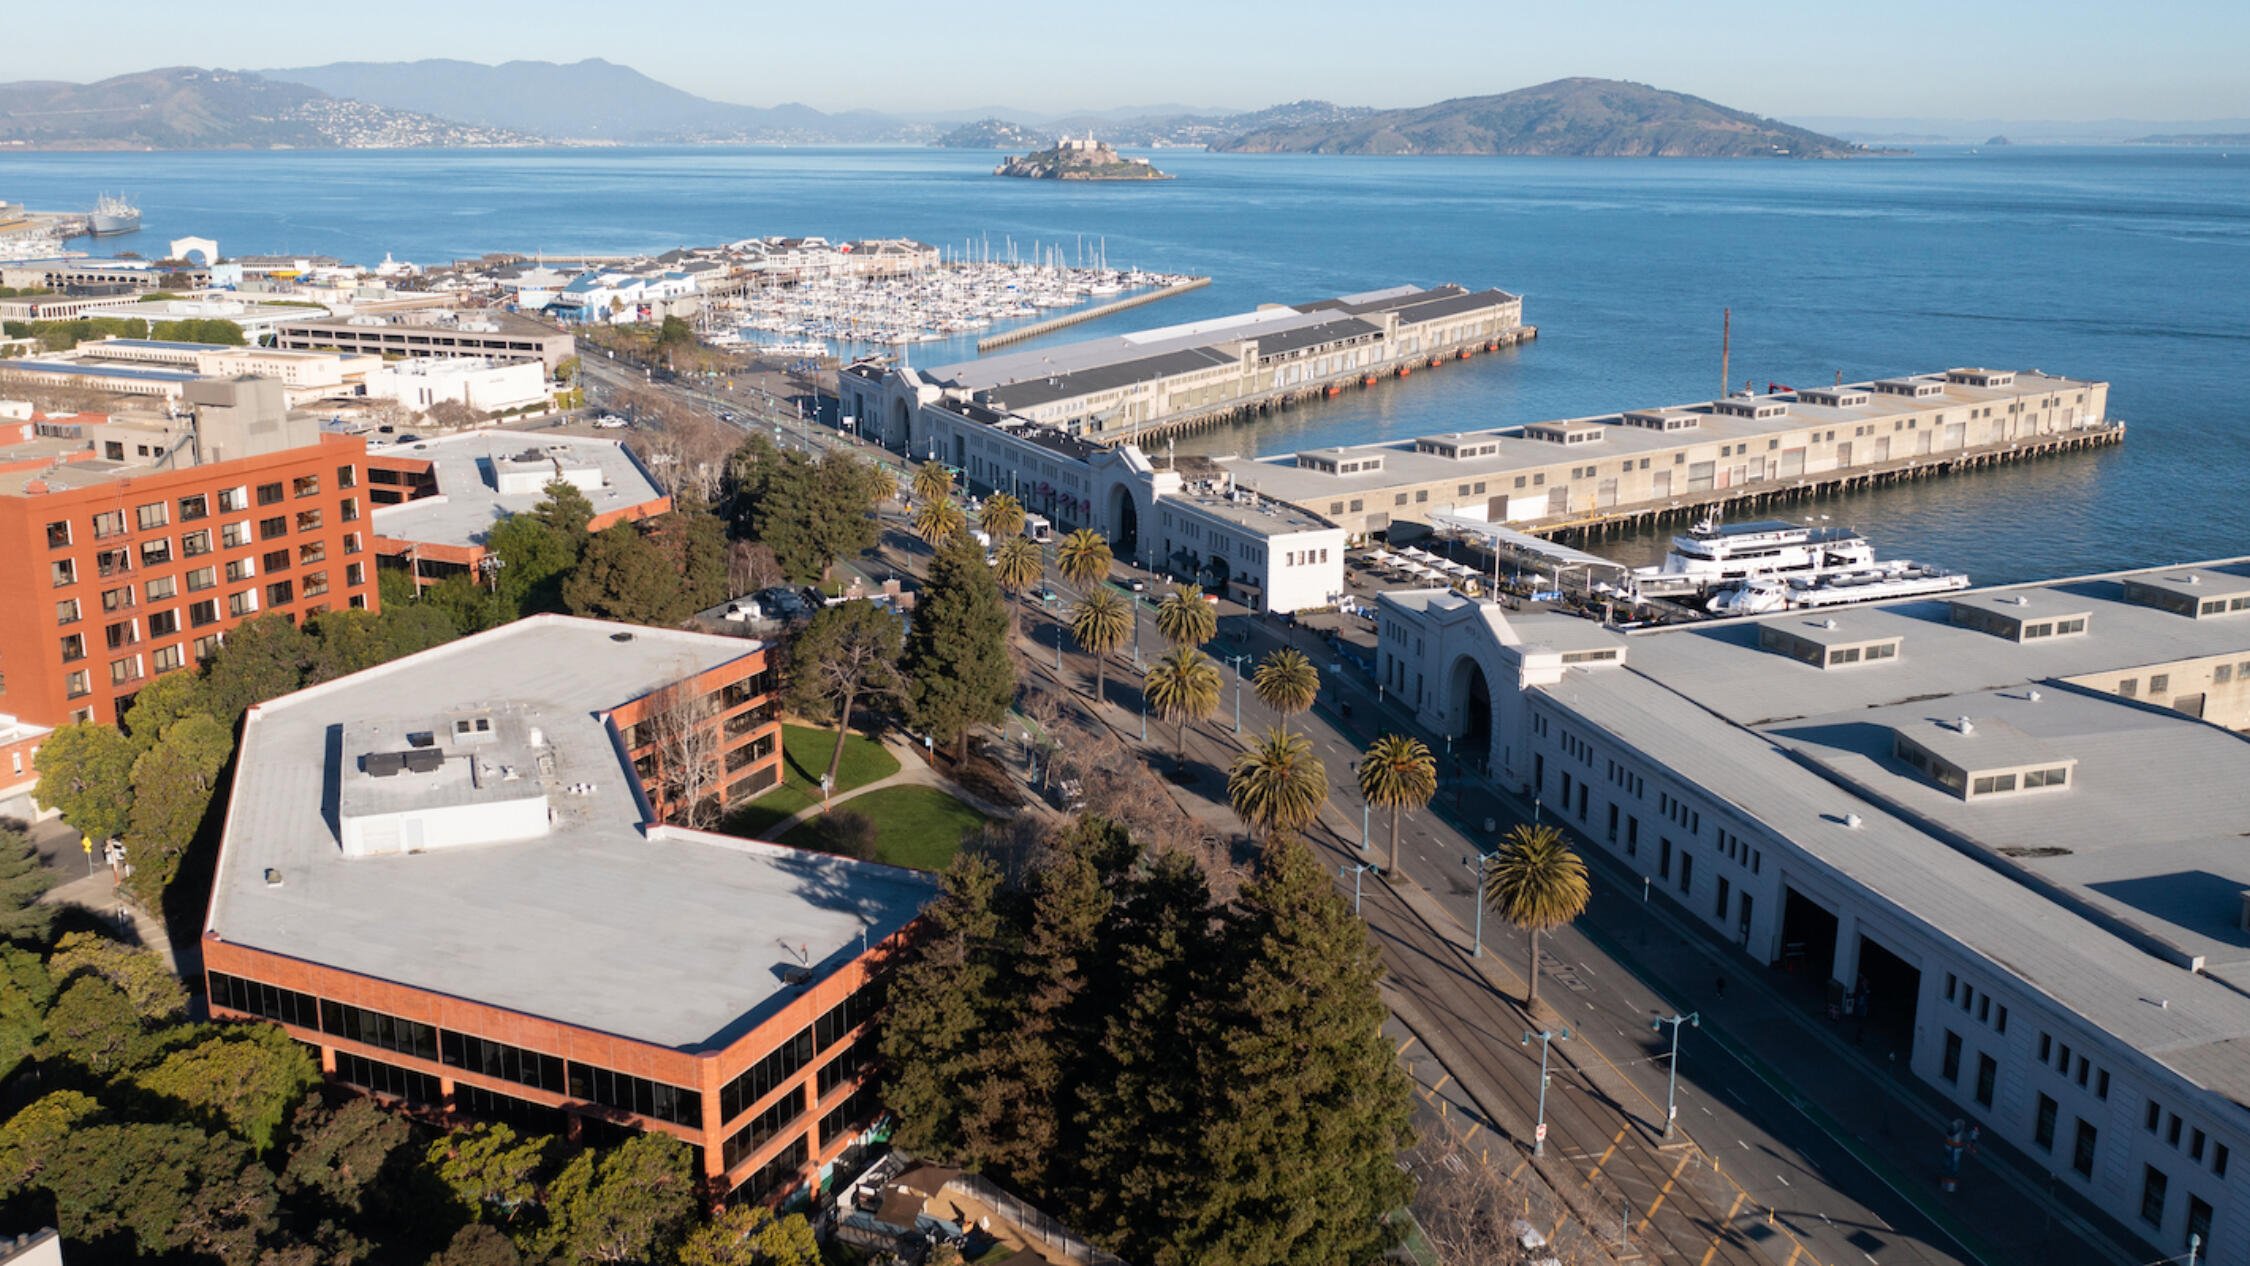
(1481, 863)
(1058, 645)
(1693, 1019)
(1237, 661)
(1357, 873)
(1547, 1037)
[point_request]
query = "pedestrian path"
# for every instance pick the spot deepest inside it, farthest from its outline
(913, 771)
(98, 894)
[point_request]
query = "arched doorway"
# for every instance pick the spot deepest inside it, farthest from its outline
(1124, 523)
(899, 429)
(1473, 696)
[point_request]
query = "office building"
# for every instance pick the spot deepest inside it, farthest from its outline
(457, 875)
(490, 334)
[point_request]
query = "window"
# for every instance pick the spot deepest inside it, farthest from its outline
(2160, 683)
(203, 613)
(235, 535)
(636, 1094)
(761, 1078)
(2130, 687)
(374, 1028)
(388, 1079)
(307, 552)
(496, 1059)
(195, 543)
(2172, 1132)
(759, 1129)
(1952, 1065)
(152, 516)
(2218, 1160)
(58, 534)
(195, 507)
(114, 562)
(781, 1173)
(316, 584)
(124, 670)
(260, 999)
(157, 552)
(355, 574)
(2043, 1124)
(2198, 1231)
(1687, 871)
(268, 494)
(73, 647)
(241, 569)
(242, 604)
(163, 623)
(2195, 1147)
(2101, 1084)
(306, 485)
(837, 1071)
(66, 611)
(2151, 1117)
(63, 572)
(78, 684)
(347, 476)
(207, 646)
(202, 578)
(1988, 1077)
(280, 593)
(2082, 1149)
(308, 521)
(109, 523)
(268, 529)
(2153, 1188)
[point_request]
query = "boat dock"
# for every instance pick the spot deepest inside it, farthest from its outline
(1035, 329)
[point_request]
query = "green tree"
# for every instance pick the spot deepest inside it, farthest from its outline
(1278, 784)
(808, 512)
(173, 784)
(489, 1169)
(535, 556)
(936, 1025)
(565, 509)
(566, 369)
(1002, 516)
(1397, 773)
(261, 659)
(29, 1138)
(1183, 618)
(163, 701)
(94, 1026)
(1536, 882)
(933, 481)
(340, 1155)
(1083, 558)
(1182, 687)
(150, 987)
(1143, 1109)
(1293, 1061)
(164, 1188)
(1101, 621)
(22, 882)
(26, 992)
(752, 1235)
(625, 577)
(86, 772)
(1017, 564)
(847, 653)
(246, 1078)
(673, 336)
(959, 672)
(347, 641)
(461, 603)
(1019, 1112)
(939, 520)
(1287, 682)
(631, 1203)
(478, 1245)
(693, 542)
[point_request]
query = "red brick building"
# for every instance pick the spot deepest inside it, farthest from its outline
(448, 874)
(130, 546)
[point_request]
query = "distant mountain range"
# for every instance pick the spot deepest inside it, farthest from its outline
(1943, 131)
(1196, 128)
(187, 107)
(2230, 140)
(592, 100)
(1571, 117)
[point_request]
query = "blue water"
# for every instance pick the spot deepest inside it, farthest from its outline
(2128, 265)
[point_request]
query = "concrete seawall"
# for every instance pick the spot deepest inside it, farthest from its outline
(1034, 330)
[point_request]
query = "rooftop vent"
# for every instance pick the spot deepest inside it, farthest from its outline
(385, 764)
(621, 636)
(1852, 821)
(423, 760)
(1828, 623)
(2031, 695)
(1964, 725)
(273, 878)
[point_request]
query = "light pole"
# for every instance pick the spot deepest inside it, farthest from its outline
(1144, 715)
(1357, 873)
(1480, 864)
(1237, 660)
(1366, 808)
(1693, 1019)
(1547, 1037)
(1058, 645)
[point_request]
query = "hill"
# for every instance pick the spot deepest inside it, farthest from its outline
(187, 107)
(1575, 117)
(591, 100)
(2231, 140)
(991, 134)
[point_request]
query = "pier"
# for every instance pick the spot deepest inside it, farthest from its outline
(1035, 329)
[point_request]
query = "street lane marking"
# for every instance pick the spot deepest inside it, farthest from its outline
(1608, 1152)
(1665, 1192)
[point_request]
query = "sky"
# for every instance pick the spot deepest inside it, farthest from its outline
(1996, 59)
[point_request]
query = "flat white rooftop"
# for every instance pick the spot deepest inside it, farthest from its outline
(469, 500)
(680, 938)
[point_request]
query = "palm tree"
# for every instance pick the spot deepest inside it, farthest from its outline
(1278, 784)
(939, 520)
(1083, 558)
(1184, 618)
(1101, 622)
(1017, 563)
(1398, 773)
(1002, 516)
(932, 480)
(1536, 883)
(1183, 686)
(1287, 682)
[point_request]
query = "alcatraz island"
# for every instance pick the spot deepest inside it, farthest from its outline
(1074, 158)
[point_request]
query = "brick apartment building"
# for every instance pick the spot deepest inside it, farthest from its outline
(453, 875)
(130, 546)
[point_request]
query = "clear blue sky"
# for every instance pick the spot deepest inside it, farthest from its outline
(2010, 59)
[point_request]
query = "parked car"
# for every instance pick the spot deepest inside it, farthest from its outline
(609, 422)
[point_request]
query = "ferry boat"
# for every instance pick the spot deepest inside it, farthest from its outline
(1897, 579)
(113, 215)
(1713, 555)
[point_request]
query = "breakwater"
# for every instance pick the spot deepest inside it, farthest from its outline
(1035, 329)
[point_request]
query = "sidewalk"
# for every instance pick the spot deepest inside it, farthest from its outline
(97, 894)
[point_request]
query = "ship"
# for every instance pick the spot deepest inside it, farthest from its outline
(113, 215)
(1713, 556)
(1896, 579)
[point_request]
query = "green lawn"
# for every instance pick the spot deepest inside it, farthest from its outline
(920, 827)
(804, 758)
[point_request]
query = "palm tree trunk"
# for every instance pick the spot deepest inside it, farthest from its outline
(1392, 873)
(1179, 754)
(1101, 665)
(843, 727)
(1531, 992)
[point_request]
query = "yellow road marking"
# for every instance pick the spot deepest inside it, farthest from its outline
(1665, 1192)
(1439, 1084)
(1794, 1254)
(1608, 1152)
(1408, 1042)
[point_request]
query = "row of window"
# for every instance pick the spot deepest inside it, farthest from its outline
(2199, 1144)
(758, 1130)
(1964, 995)
(64, 572)
(153, 515)
(2057, 1055)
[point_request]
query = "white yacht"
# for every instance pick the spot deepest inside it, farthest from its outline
(1713, 555)
(1896, 579)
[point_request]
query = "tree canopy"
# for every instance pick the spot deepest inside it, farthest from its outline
(957, 652)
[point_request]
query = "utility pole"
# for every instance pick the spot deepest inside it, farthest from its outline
(1357, 873)
(1547, 1037)
(1693, 1019)
(1481, 863)
(1237, 661)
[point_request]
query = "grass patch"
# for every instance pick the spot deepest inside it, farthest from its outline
(804, 758)
(920, 827)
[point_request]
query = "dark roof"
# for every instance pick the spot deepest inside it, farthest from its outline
(1450, 305)
(1314, 335)
(1037, 391)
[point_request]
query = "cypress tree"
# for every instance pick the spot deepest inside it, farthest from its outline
(1306, 1107)
(941, 1003)
(957, 652)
